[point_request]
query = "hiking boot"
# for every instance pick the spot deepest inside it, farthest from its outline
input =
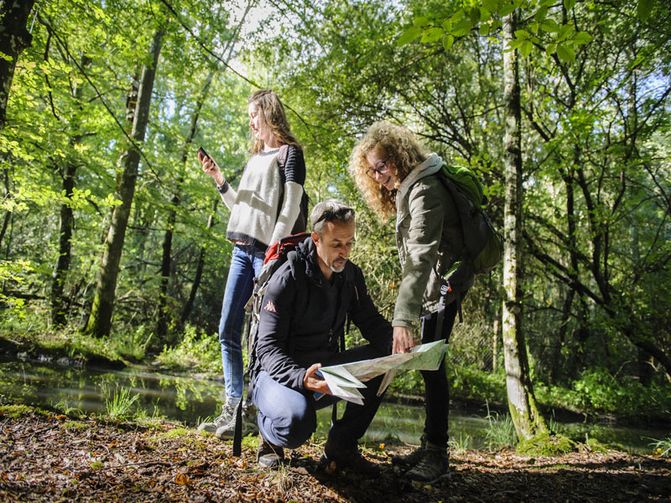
(268, 455)
(336, 459)
(407, 461)
(227, 414)
(433, 465)
(227, 430)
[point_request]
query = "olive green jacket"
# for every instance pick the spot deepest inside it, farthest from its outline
(429, 240)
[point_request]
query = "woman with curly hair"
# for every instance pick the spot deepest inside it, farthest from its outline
(397, 175)
(269, 204)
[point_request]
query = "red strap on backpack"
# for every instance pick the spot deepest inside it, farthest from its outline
(283, 246)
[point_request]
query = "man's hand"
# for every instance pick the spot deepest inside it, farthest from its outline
(403, 340)
(312, 383)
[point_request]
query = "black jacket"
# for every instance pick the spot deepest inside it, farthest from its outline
(303, 316)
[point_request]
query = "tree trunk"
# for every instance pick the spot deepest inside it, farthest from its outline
(14, 38)
(8, 214)
(166, 261)
(521, 402)
(103, 299)
(58, 302)
(188, 307)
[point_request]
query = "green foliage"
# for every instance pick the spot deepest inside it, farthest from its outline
(500, 431)
(197, 351)
(475, 384)
(15, 410)
(458, 444)
(662, 447)
(599, 392)
(546, 444)
(121, 405)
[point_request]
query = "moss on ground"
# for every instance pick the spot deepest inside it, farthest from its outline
(545, 444)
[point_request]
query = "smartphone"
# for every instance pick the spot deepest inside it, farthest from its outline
(204, 153)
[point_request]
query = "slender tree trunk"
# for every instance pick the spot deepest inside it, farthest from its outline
(521, 402)
(99, 322)
(188, 307)
(67, 222)
(166, 261)
(8, 214)
(14, 38)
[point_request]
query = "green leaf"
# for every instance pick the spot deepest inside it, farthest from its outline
(522, 34)
(550, 26)
(566, 54)
(420, 21)
(474, 15)
(485, 14)
(506, 9)
(643, 9)
(448, 41)
(551, 49)
(582, 38)
(526, 47)
(564, 32)
(462, 28)
(431, 35)
(491, 5)
(569, 4)
(409, 35)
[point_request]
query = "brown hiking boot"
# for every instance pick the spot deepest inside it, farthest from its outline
(268, 455)
(433, 465)
(336, 459)
(407, 461)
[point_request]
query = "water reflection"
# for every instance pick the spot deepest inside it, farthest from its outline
(189, 399)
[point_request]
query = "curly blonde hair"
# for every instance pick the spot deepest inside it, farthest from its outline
(401, 149)
(273, 116)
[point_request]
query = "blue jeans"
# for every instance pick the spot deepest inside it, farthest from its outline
(288, 417)
(246, 263)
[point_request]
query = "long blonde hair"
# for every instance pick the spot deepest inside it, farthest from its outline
(272, 115)
(400, 147)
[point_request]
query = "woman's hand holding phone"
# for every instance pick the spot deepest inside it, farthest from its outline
(210, 167)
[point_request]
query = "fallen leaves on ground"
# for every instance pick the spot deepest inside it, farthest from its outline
(45, 459)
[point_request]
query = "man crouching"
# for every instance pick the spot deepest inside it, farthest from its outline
(302, 323)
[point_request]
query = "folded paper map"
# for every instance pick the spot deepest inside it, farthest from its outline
(344, 380)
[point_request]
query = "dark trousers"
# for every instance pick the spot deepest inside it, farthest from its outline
(436, 387)
(288, 417)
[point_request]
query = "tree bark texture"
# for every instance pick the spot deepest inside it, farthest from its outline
(521, 402)
(166, 260)
(14, 38)
(67, 221)
(100, 318)
(200, 265)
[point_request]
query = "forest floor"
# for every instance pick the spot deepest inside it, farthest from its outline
(51, 457)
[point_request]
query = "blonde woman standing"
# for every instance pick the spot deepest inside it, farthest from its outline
(397, 175)
(268, 205)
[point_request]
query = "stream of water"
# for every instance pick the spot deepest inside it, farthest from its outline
(189, 399)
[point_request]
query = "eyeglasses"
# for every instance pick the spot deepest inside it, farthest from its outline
(380, 168)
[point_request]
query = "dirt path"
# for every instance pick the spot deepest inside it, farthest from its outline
(54, 458)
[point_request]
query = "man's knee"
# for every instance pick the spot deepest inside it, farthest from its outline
(291, 427)
(287, 418)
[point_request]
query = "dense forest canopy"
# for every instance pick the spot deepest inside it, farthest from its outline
(109, 100)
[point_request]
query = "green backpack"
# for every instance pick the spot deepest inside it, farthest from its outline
(483, 242)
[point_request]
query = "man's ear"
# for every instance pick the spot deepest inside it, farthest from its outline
(314, 236)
